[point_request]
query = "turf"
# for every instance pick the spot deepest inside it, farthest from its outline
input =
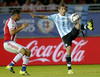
(55, 71)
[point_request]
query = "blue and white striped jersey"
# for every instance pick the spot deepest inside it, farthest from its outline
(63, 23)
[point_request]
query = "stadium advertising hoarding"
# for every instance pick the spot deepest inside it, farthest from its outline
(50, 51)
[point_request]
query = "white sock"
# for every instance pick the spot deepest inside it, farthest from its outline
(85, 26)
(18, 57)
(25, 60)
(68, 65)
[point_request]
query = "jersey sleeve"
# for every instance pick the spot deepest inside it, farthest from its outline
(11, 24)
(52, 17)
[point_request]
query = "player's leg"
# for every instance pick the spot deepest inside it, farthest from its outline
(19, 55)
(26, 57)
(68, 60)
(15, 60)
(13, 47)
(68, 41)
(72, 35)
(76, 27)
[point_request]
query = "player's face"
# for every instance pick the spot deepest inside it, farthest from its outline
(18, 17)
(62, 10)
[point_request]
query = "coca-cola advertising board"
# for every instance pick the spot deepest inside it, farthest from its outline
(51, 51)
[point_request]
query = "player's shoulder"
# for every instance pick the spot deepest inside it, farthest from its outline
(52, 16)
(8, 20)
(11, 21)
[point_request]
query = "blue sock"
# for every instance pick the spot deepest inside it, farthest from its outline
(11, 64)
(23, 68)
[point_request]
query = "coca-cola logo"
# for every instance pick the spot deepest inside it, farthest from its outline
(55, 53)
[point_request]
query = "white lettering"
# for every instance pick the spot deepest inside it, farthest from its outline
(57, 53)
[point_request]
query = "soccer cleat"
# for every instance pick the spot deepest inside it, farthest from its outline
(10, 68)
(70, 72)
(23, 73)
(90, 25)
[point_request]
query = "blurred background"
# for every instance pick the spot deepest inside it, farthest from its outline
(44, 5)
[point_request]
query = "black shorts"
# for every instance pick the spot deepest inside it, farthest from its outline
(67, 39)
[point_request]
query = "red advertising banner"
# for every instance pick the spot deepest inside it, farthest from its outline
(50, 51)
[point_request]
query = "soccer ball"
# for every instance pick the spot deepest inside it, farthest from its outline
(74, 17)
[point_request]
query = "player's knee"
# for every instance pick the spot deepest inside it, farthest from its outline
(23, 51)
(68, 49)
(77, 26)
(28, 53)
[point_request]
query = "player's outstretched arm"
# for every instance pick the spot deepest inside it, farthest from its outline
(39, 16)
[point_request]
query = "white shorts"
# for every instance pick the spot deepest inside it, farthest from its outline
(13, 47)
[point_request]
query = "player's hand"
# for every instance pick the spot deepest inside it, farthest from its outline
(32, 15)
(24, 25)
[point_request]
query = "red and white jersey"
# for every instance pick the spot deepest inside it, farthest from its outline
(9, 25)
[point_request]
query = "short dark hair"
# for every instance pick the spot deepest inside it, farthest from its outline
(15, 11)
(62, 5)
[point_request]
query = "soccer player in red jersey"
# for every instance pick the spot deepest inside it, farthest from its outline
(10, 31)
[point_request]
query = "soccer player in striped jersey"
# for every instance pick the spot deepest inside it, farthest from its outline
(10, 31)
(68, 31)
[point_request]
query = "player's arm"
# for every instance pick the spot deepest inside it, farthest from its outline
(19, 28)
(39, 16)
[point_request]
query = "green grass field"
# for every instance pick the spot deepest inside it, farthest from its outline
(55, 71)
